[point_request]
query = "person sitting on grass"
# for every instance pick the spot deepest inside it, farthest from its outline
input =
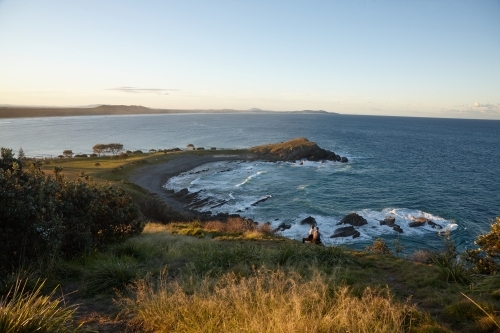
(310, 236)
(316, 238)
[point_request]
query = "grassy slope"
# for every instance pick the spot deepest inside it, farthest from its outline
(185, 257)
(117, 171)
(438, 299)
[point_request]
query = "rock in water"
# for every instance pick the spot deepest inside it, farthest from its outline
(417, 221)
(283, 226)
(397, 228)
(308, 220)
(353, 219)
(389, 221)
(345, 232)
(434, 224)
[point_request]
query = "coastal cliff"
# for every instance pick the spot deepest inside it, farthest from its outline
(295, 149)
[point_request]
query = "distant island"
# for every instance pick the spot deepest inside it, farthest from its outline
(102, 110)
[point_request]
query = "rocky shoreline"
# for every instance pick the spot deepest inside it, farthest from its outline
(153, 177)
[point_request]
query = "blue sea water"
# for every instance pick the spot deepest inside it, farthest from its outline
(444, 169)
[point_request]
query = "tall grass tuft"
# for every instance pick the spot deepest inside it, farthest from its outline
(109, 274)
(267, 301)
(452, 269)
(488, 284)
(26, 312)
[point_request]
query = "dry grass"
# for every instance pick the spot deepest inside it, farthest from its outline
(268, 301)
(420, 256)
(22, 311)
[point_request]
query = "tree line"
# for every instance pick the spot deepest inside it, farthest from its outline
(113, 148)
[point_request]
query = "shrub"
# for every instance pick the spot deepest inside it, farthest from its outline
(486, 258)
(421, 256)
(44, 217)
(448, 262)
(138, 152)
(123, 156)
(156, 210)
(93, 155)
(379, 246)
(97, 164)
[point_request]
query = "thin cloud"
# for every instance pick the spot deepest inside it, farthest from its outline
(135, 90)
(476, 108)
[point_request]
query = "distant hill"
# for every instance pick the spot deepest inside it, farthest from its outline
(10, 111)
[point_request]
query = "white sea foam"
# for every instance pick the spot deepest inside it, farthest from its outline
(368, 232)
(216, 180)
(249, 178)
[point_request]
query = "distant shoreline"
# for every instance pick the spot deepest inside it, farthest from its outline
(107, 110)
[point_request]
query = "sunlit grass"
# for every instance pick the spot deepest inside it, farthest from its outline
(267, 301)
(22, 311)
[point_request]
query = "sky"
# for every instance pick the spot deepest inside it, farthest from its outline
(425, 58)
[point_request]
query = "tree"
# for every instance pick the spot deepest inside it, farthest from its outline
(99, 149)
(8, 161)
(115, 148)
(20, 154)
(67, 153)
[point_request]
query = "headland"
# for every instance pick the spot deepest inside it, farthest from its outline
(106, 110)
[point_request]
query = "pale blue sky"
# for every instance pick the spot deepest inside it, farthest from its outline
(392, 57)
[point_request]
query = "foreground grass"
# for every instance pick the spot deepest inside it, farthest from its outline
(31, 311)
(266, 301)
(238, 277)
(206, 277)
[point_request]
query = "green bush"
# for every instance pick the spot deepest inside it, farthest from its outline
(486, 258)
(45, 217)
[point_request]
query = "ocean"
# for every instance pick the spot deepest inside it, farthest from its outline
(446, 170)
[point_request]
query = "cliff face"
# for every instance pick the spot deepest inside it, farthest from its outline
(295, 149)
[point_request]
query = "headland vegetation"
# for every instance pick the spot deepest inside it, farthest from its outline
(103, 110)
(96, 244)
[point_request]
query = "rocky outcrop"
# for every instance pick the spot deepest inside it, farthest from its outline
(390, 221)
(345, 232)
(296, 149)
(282, 227)
(353, 219)
(308, 220)
(420, 221)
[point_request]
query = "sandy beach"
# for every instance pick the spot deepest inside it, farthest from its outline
(153, 177)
